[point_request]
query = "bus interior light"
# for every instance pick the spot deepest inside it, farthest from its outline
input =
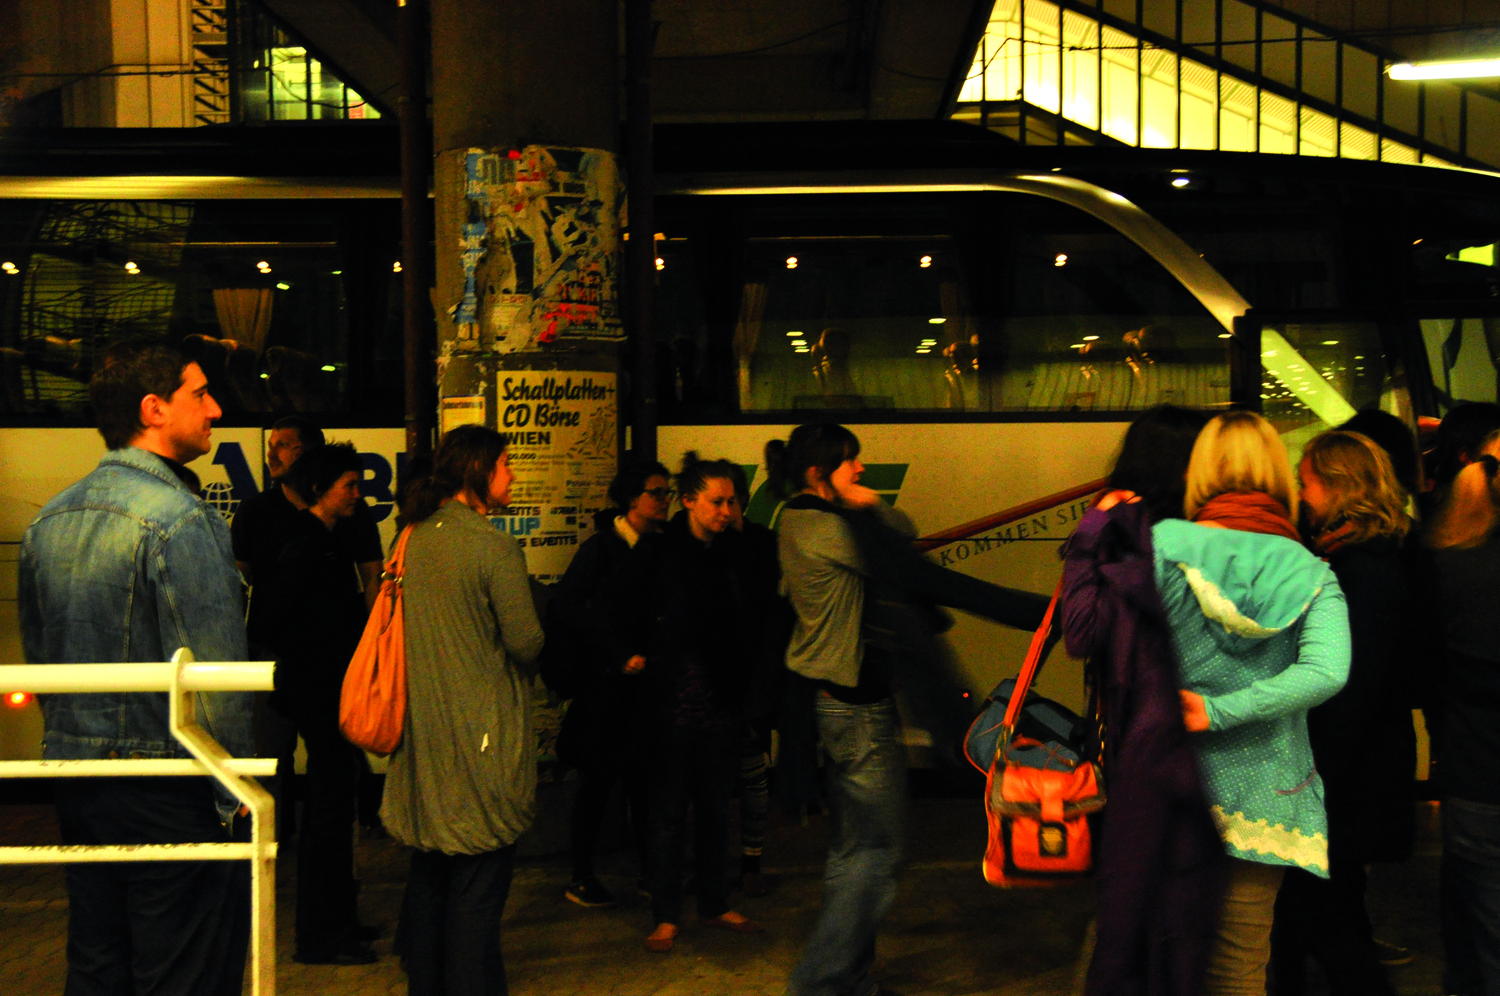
(396, 266)
(9, 267)
(1464, 69)
(1330, 342)
(791, 262)
(1226, 335)
(925, 262)
(661, 264)
(328, 368)
(130, 267)
(1089, 338)
(799, 342)
(936, 321)
(17, 700)
(1061, 259)
(1181, 182)
(794, 333)
(283, 285)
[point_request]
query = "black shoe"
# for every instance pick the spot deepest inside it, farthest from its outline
(367, 932)
(588, 892)
(352, 953)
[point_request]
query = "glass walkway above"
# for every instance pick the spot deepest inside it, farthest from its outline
(1227, 75)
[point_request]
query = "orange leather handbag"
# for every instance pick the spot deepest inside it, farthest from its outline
(372, 706)
(1039, 794)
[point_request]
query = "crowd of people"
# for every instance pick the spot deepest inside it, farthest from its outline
(1251, 629)
(1261, 638)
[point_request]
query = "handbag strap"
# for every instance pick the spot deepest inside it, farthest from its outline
(1028, 673)
(395, 568)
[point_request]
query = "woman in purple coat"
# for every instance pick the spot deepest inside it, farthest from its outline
(1160, 864)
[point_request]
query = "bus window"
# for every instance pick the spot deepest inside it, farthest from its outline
(961, 303)
(1317, 374)
(1463, 354)
(263, 295)
(1090, 322)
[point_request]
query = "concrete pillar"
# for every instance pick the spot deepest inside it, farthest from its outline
(526, 119)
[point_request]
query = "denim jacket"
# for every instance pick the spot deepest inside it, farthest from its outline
(128, 565)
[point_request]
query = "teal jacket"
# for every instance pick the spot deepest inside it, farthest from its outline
(1262, 633)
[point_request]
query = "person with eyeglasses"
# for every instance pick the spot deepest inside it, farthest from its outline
(576, 665)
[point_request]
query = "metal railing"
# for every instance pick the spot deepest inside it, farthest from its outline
(182, 679)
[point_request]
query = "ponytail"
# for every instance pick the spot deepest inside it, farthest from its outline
(465, 458)
(820, 445)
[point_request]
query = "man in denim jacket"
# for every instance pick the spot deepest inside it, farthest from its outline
(129, 564)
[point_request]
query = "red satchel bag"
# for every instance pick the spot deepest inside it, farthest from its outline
(372, 705)
(1039, 794)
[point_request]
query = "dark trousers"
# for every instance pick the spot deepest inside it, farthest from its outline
(159, 928)
(590, 807)
(451, 922)
(1325, 919)
(326, 917)
(1469, 903)
(697, 767)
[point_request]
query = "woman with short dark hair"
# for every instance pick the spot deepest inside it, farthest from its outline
(461, 788)
(314, 615)
(600, 734)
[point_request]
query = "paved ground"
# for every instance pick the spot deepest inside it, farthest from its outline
(949, 934)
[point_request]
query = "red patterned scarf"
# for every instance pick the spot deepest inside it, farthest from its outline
(1251, 512)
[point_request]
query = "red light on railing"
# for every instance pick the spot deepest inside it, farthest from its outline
(18, 700)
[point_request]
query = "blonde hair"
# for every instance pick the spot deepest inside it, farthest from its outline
(1239, 451)
(1362, 480)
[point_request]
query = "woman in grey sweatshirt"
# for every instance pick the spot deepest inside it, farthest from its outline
(462, 786)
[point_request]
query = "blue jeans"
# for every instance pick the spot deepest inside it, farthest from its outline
(1470, 897)
(866, 771)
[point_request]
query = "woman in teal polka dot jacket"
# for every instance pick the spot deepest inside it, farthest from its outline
(1262, 635)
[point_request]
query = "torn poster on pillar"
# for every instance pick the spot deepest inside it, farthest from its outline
(561, 432)
(540, 249)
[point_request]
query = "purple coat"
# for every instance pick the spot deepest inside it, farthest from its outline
(1160, 864)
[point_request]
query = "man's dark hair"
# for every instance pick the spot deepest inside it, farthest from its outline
(1460, 436)
(131, 371)
(320, 468)
(1154, 457)
(1392, 435)
(308, 435)
(630, 482)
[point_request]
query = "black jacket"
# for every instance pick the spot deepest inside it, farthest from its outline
(1362, 739)
(315, 615)
(678, 600)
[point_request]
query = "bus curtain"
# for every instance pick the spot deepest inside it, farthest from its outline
(244, 315)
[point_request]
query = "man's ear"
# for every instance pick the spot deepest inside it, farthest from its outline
(153, 413)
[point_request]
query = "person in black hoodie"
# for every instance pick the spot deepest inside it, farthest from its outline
(317, 614)
(1362, 739)
(599, 725)
(684, 621)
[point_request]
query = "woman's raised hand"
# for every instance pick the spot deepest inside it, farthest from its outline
(1194, 712)
(859, 496)
(1115, 497)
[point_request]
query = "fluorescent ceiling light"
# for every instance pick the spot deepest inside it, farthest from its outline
(1466, 70)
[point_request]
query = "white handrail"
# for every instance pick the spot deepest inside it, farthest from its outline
(183, 679)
